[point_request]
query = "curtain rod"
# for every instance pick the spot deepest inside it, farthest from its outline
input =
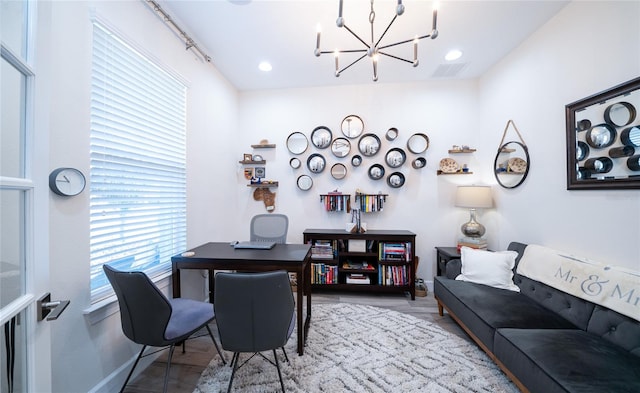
(189, 42)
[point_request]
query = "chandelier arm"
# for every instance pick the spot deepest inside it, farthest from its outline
(354, 62)
(357, 36)
(395, 57)
(330, 52)
(404, 42)
(385, 30)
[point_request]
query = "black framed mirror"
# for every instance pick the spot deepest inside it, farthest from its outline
(321, 137)
(511, 165)
(395, 157)
(341, 147)
(295, 163)
(316, 163)
(356, 160)
(352, 126)
(369, 145)
(603, 139)
(297, 143)
(304, 182)
(376, 172)
(395, 180)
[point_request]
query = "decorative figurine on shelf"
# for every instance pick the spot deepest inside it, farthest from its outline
(465, 168)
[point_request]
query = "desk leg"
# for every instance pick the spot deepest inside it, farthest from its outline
(307, 285)
(211, 285)
(175, 276)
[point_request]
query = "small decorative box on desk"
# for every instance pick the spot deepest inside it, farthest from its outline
(371, 261)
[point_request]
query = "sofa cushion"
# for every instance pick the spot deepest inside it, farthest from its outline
(488, 268)
(560, 360)
(576, 310)
(616, 328)
(483, 309)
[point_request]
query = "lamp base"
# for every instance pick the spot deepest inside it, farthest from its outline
(473, 228)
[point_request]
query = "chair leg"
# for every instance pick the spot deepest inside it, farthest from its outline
(166, 373)
(234, 363)
(285, 354)
(133, 368)
(278, 367)
(216, 344)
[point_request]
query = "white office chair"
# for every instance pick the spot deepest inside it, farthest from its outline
(269, 227)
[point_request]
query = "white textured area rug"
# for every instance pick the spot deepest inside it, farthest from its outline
(356, 348)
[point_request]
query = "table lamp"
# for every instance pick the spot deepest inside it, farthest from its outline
(473, 197)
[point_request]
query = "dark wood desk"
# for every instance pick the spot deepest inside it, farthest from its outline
(221, 256)
(443, 256)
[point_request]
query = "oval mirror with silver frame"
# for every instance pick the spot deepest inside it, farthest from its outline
(418, 143)
(601, 136)
(341, 147)
(352, 126)
(316, 163)
(395, 180)
(297, 143)
(395, 157)
(376, 172)
(356, 160)
(295, 163)
(321, 137)
(511, 165)
(338, 171)
(369, 145)
(305, 182)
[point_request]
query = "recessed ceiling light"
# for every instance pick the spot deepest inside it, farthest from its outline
(452, 55)
(265, 66)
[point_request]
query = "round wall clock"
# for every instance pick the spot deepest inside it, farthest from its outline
(67, 181)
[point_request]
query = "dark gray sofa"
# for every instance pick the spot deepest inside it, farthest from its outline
(544, 339)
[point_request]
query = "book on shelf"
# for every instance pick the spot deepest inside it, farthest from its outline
(324, 274)
(357, 265)
(393, 275)
(394, 251)
(358, 279)
(324, 249)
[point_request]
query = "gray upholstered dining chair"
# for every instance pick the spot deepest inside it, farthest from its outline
(254, 314)
(149, 318)
(269, 227)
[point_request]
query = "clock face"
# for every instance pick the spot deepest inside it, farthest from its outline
(67, 181)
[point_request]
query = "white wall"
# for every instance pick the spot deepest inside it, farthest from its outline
(588, 47)
(531, 86)
(86, 355)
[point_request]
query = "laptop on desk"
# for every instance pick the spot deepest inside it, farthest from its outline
(254, 245)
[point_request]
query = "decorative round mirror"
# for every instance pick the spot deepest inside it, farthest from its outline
(419, 162)
(341, 147)
(295, 163)
(352, 126)
(356, 160)
(376, 172)
(631, 136)
(511, 165)
(369, 144)
(297, 143)
(392, 133)
(395, 157)
(305, 182)
(582, 151)
(321, 137)
(316, 163)
(338, 171)
(599, 165)
(418, 143)
(620, 114)
(395, 180)
(584, 125)
(601, 135)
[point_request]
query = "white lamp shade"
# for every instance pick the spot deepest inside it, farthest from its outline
(474, 197)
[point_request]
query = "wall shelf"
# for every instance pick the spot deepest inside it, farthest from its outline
(454, 173)
(264, 146)
(252, 162)
(263, 184)
(462, 151)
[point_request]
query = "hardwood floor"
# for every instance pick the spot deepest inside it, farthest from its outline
(186, 368)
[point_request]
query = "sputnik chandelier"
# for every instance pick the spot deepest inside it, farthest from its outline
(373, 49)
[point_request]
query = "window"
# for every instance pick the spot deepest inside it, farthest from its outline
(138, 162)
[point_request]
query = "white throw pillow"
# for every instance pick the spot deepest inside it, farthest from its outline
(488, 268)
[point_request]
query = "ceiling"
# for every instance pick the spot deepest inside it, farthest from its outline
(239, 34)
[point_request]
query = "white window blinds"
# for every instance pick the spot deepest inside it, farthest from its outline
(138, 162)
